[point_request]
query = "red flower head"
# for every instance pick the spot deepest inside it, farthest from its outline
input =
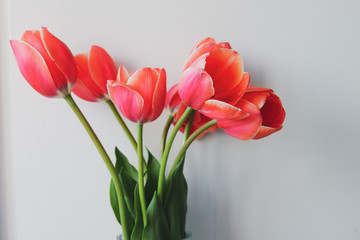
(94, 70)
(140, 96)
(213, 80)
(45, 62)
(266, 115)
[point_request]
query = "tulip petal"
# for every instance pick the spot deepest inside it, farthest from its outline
(34, 69)
(195, 87)
(272, 112)
(206, 40)
(201, 50)
(33, 38)
(232, 96)
(144, 82)
(61, 55)
(122, 75)
(266, 131)
(129, 102)
(224, 45)
(221, 110)
(225, 67)
(159, 97)
(101, 66)
(245, 128)
(85, 87)
(172, 98)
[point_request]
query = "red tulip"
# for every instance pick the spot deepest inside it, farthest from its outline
(266, 115)
(45, 62)
(140, 96)
(213, 80)
(94, 70)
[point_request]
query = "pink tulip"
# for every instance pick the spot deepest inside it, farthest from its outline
(213, 80)
(94, 70)
(177, 108)
(266, 115)
(45, 62)
(140, 96)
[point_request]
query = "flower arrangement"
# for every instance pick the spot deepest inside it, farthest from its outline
(213, 92)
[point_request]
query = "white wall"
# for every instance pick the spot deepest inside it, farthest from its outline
(301, 183)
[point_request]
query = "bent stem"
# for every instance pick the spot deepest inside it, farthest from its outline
(189, 141)
(141, 173)
(165, 155)
(165, 132)
(107, 161)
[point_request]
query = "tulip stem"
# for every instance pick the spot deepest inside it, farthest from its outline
(141, 173)
(189, 141)
(122, 124)
(165, 133)
(124, 127)
(165, 155)
(188, 126)
(107, 161)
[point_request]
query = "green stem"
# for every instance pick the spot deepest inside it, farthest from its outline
(107, 161)
(122, 124)
(141, 173)
(188, 126)
(165, 132)
(165, 155)
(189, 141)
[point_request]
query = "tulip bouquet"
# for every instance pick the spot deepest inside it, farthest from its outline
(213, 92)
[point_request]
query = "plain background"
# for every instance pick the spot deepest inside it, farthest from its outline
(300, 183)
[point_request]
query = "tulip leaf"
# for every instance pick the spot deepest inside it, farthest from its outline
(115, 204)
(126, 174)
(138, 226)
(153, 169)
(122, 161)
(114, 201)
(176, 203)
(128, 186)
(157, 224)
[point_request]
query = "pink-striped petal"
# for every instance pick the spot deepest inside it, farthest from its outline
(220, 110)
(34, 69)
(60, 54)
(102, 67)
(128, 101)
(245, 128)
(195, 87)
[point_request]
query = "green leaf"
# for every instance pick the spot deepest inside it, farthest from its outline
(176, 203)
(128, 186)
(138, 227)
(122, 162)
(126, 174)
(114, 201)
(157, 225)
(153, 168)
